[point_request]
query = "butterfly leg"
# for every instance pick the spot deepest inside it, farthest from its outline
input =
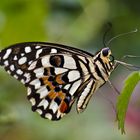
(129, 56)
(113, 87)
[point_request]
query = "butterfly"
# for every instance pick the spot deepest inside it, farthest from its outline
(57, 75)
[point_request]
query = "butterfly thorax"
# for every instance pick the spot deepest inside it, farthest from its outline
(103, 65)
(100, 67)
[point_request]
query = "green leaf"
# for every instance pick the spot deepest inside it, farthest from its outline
(124, 97)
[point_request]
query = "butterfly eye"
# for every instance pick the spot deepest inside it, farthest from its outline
(105, 52)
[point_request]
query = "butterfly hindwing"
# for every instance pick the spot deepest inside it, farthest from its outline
(52, 86)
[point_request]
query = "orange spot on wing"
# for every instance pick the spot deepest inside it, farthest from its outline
(46, 82)
(63, 107)
(61, 95)
(59, 79)
(52, 95)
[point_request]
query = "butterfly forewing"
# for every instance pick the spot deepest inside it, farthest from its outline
(53, 74)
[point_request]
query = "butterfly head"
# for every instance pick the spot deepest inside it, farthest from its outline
(106, 55)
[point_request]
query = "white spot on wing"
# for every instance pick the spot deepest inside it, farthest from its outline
(43, 92)
(12, 68)
(48, 115)
(15, 57)
(30, 62)
(38, 52)
(32, 66)
(27, 49)
(44, 103)
(60, 70)
(8, 51)
(67, 86)
(22, 81)
(37, 47)
(32, 100)
(6, 63)
(27, 75)
(45, 61)
(8, 72)
(28, 91)
(36, 83)
(39, 111)
(19, 72)
(39, 72)
(73, 75)
(22, 60)
(53, 50)
(69, 62)
(74, 87)
(53, 106)
(22, 54)
(59, 114)
(15, 76)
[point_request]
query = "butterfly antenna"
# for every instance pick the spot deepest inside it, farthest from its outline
(123, 34)
(105, 34)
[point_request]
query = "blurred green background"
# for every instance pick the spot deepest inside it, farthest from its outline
(78, 23)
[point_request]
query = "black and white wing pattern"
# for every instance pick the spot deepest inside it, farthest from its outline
(55, 75)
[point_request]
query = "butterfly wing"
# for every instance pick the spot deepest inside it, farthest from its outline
(53, 74)
(53, 85)
(17, 58)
